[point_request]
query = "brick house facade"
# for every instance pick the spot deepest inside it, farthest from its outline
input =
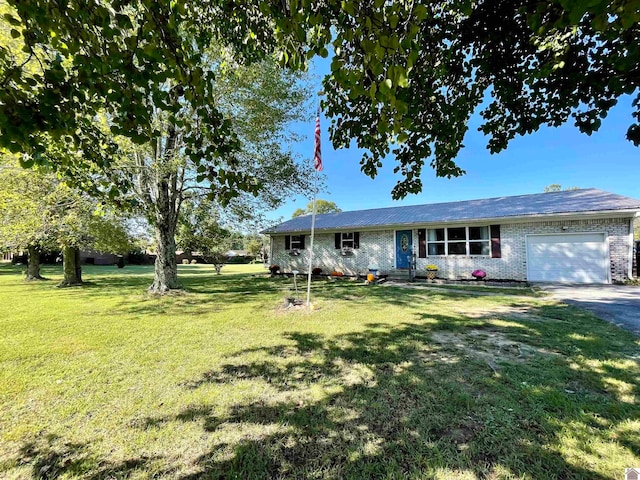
(377, 248)
(583, 236)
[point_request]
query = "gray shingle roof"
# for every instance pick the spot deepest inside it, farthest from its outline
(567, 202)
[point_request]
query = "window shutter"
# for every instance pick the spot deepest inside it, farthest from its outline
(495, 241)
(356, 239)
(287, 242)
(422, 243)
(338, 239)
(302, 242)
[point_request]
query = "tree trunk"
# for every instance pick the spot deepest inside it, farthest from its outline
(33, 264)
(163, 196)
(71, 267)
(165, 276)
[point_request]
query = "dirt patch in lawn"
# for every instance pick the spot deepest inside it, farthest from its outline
(514, 311)
(490, 346)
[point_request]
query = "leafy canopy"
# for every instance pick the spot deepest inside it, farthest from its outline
(406, 76)
(322, 206)
(37, 209)
(556, 187)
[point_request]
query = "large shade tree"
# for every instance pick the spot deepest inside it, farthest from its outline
(257, 174)
(40, 212)
(24, 224)
(406, 76)
(164, 78)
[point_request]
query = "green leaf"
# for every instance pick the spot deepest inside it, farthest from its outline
(26, 161)
(12, 20)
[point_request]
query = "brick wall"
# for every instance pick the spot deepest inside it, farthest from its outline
(378, 248)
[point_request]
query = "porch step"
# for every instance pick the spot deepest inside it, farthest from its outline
(398, 274)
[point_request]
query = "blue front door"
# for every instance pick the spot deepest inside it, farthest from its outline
(403, 248)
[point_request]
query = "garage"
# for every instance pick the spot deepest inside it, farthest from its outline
(568, 258)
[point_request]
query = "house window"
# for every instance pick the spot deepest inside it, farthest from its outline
(347, 240)
(294, 242)
(459, 241)
(297, 242)
(436, 242)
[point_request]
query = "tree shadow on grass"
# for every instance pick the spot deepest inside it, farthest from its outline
(12, 269)
(394, 403)
(208, 295)
(49, 456)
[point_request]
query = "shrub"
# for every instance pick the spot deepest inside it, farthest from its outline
(185, 261)
(216, 257)
(316, 271)
(138, 257)
(479, 274)
(193, 262)
(274, 269)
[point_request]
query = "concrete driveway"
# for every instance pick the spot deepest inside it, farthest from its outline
(618, 304)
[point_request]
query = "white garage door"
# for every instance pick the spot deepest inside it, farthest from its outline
(569, 258)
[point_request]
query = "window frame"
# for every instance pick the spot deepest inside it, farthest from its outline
(296, 244)
(467, 242)
(352, 240)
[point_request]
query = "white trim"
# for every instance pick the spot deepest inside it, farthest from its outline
(630, 271)
(271, 251)
(605, 238)
(353, 239)
(298, 242)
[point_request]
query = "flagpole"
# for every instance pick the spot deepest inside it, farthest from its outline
(313, 225)
(317, 166)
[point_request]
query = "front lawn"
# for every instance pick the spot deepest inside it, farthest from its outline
(377, 382)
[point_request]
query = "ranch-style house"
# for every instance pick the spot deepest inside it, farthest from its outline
(576, 236)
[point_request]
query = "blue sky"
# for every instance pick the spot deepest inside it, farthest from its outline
(605, 160)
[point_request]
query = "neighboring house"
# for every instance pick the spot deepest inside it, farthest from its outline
(92, 257)
(86, 257)
(578, 236)
(238, 253)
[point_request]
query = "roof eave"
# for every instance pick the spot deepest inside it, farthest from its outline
(505, 219)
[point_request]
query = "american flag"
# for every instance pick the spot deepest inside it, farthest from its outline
(317, 155)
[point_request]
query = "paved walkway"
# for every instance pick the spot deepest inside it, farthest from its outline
(618, 304)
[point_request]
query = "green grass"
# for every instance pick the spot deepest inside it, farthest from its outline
(376, 382)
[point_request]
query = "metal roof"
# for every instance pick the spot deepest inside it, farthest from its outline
(588, 200)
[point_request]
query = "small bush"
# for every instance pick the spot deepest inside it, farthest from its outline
(185, 261)
(138, 257)
(274, 269)
(193, 262)
(479, 274)
(316, 271)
